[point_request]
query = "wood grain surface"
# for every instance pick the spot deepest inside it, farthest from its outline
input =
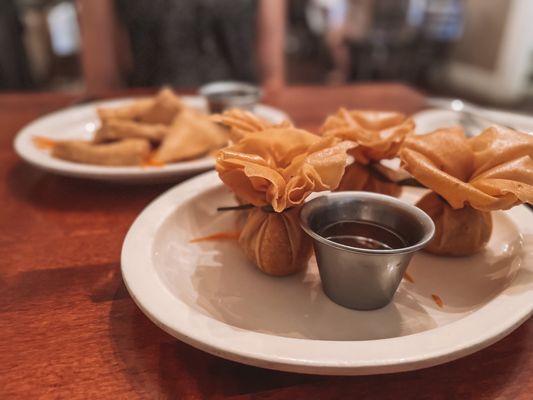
(69, 330)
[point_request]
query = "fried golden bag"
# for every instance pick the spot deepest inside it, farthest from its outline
(492, 171)
(360, 177)
(378, 135)
(275, 170)
(275, 242)
(460, 232)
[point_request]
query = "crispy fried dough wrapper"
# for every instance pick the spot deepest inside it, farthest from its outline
(275, 241)
(133, 111)
(510, 183)
(460, 232)
(361, 177)
(117, 129)
(162, 109)
(474, 176)
(279, 168)
(504, 164)
(445, 161)
(125, 152)
(496, 146)
(378, 134)
(191, 135)
(241, 122)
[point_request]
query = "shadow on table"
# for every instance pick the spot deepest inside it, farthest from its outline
(158, 365)
(489, 374)
(48, 191)
(31, 288)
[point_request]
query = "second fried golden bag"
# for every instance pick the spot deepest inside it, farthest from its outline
(469, 178)
(360, 177)
(459, 232)
(378, 136)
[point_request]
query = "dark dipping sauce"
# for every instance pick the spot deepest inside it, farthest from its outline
(363, 235)
(220, 96)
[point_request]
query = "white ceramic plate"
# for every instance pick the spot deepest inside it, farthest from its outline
(209, 296)
(80, 122)
(430, 120)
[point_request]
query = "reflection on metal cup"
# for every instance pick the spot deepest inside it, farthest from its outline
(357, 277)
(224, 95)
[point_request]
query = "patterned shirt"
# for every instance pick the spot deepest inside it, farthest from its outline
(190, 42)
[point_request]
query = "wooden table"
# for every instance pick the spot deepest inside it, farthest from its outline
(69, 329)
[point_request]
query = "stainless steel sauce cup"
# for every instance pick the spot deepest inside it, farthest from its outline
(224, 95)
(358, 278)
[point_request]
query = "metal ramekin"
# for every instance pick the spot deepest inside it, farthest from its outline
(357, 278)
(220, 95)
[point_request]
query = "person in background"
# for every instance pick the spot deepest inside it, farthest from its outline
(358, 24)
(327, 18)
(182, 43)
(14, 69)
(442, 26)
(344, 24)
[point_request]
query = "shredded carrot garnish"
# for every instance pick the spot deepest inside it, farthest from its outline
(43, 143)
(152, 163)
(218, 236)
(408, 277)
(437, 300)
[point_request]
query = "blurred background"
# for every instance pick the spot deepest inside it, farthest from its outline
(478, 49)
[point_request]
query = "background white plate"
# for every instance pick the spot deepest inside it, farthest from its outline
(209, 296)
(80, 122)
(430, 120)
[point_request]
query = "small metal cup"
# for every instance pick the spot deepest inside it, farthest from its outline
(224, 95)
(358, 278)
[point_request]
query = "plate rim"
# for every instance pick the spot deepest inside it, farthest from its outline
(149, 293)
(40, 159)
